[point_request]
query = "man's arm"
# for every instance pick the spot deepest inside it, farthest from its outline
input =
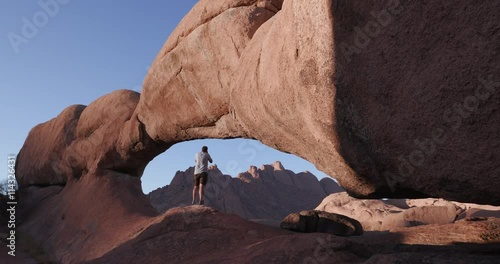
(210, 158)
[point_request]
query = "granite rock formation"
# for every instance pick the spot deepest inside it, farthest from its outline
(233, 67)
(392, 98)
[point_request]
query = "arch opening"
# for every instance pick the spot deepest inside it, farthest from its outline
(232, 156)
(247, 178)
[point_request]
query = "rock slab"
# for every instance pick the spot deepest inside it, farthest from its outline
(323, 222)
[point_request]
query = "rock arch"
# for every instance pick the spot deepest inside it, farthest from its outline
(232, 68)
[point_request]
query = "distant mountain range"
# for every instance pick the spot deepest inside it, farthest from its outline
(266, 194)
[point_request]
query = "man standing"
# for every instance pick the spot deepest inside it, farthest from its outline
(201, 172)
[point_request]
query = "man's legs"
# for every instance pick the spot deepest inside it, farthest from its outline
(195, 190)
(201, 193)
(203, 181)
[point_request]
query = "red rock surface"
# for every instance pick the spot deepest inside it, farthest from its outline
(83, 140)
(86, 218)
(39, 161)
(20, 256)
(198, 234)
(265, 194)
(220, 238)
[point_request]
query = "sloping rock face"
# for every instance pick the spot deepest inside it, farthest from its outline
(377, 215)
(40, 157)
(79, 177)
(221, 238)
(268, 193)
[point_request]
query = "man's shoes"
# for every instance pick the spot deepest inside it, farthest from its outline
(193, 202)
(202, 202)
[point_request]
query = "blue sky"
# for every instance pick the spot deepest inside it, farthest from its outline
(81, 50)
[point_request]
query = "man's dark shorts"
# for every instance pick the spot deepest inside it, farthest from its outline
(200, 178)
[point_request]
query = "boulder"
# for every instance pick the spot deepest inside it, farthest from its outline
(323, 222)
(370, 213)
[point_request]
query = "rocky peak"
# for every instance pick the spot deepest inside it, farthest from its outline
(254, 172)
(278, 166)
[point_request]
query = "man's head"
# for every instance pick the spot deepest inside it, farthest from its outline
(204, 149)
